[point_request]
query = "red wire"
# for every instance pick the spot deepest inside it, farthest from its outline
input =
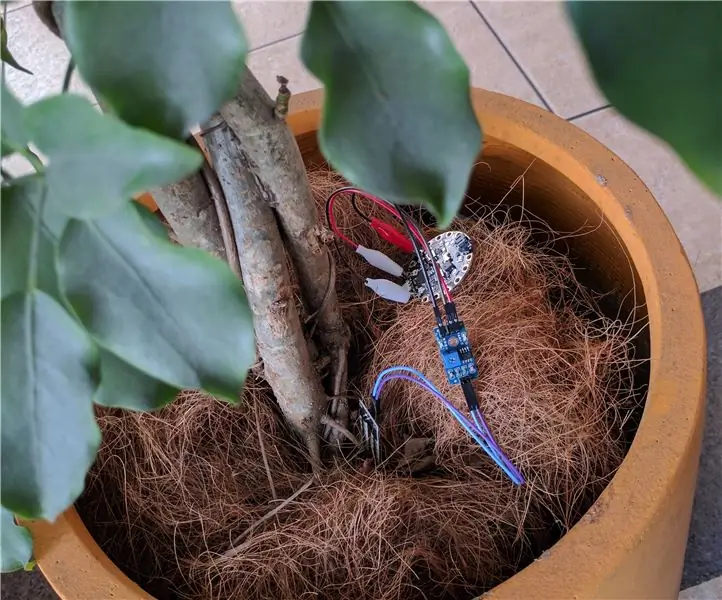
(332, 218)
(390, 208)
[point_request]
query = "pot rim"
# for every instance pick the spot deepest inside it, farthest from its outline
(670, 427)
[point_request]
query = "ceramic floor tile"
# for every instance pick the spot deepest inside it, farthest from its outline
(489, 65)
(269, 21)
(541, 40)
(710, 590)
(282, 58)
(695, 213)
(17, 4)
(39, 51)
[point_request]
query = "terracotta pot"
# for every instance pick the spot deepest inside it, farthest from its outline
(631, 543)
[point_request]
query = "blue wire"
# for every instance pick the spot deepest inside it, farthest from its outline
(475, 430)
(518, 478)
(402, 368)
(492, 451)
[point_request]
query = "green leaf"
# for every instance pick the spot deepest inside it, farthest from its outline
(97, 162)
(49, 434)
(18, 216)
(123, 386)
(152, 221)
(14, 133)
(5, 54)
(173, 63)
(397, 118)
(120, 384)
(660, 65)
(175, 313)
(16, 544)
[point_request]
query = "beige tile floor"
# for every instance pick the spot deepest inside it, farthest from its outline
(524, 49)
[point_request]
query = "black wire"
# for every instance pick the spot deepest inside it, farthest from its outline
(422, 266)
(354, 203)
(472, 402)
(359, 212)
(437, 275)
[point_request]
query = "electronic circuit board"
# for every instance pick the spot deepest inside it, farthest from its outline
(453, 253)
(456, 354)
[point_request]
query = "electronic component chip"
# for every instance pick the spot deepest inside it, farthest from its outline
(453, 253)
(456, 354)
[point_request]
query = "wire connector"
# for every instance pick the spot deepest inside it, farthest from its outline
(393, 236)
(389, 290)
(472, 402)
(380, 261)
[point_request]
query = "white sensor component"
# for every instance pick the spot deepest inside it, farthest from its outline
(380, 261)
(453, 252)
(389, 290)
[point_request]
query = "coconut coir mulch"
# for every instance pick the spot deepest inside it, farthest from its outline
(173, 492)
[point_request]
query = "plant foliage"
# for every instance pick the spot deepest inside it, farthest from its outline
(16, 544)
(397, 119)
(5, 54)
(98, 305)
(660, 65)
(173, 63)
(97, 162)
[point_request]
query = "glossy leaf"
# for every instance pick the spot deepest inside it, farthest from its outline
(660, 65)
(49, 435)
(97, 162)
(16, 544)
(5, 54)
(152, 221)
(18, 218)
(173, 63)
(174, 313)
(124, 386)
(14, 133)
(397, 118)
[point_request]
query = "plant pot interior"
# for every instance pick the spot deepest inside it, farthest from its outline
(396, 533)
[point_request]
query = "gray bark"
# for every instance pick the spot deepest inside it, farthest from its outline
(189, 209)
(270, 144)
(288, 367)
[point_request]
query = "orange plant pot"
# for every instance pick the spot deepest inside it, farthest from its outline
(631, 542)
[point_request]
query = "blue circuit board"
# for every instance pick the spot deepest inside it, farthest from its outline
(456, 354)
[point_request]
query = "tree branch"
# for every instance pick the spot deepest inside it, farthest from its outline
(269, 143)
(188, 207)
(287, 363)
(222, 215)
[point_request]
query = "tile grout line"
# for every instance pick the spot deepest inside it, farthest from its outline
(19, 7)
(278, 41)
(511, 56)
(586, 113)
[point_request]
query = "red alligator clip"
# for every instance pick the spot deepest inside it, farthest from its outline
(392, 235)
